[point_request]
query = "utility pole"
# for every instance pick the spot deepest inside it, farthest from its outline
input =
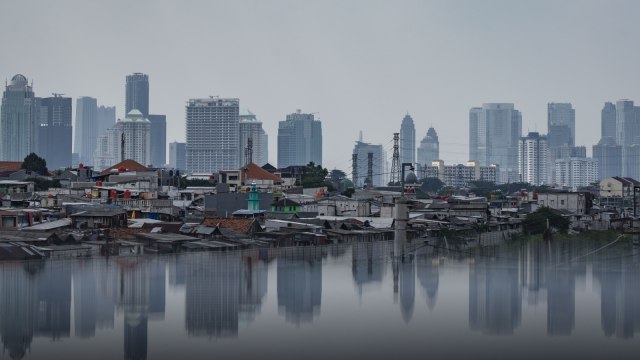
(354, 166)
(395, 160)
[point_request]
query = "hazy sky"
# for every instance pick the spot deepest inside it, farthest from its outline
(361, 65)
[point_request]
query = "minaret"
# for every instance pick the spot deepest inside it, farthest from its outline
(254, 198)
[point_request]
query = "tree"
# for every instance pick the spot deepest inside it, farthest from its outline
(34, 163)
(536, 222)
(431, 185)
(313, 176)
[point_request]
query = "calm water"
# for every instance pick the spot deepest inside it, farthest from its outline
(512, 301)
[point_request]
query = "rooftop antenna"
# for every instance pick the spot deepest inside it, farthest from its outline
(360, 137)
(57, 94)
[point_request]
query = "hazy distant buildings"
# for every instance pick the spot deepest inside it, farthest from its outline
(362, 150)
(429, 149)
(251, 128)
(608, 120)
(561, 122)
(177, 156)
(460, 175)
(533, 159)
(628, 134)
(106, 118)
(158, 140)
(107, 151)
(299, 140)
(86, 128)
(212, 134)
(19, 122)
(55, 138)
(609, 157)
(137, 93)
(135, 135)
(494, 132)
(576, 172)
(407, 141)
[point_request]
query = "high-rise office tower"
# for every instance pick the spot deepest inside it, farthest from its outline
(158, 139)
(533, 159)
(251, 128)
(86, 128)
(19, 121)
(494, 132)
(299, 140)
(137, 93)
(177, 156)
(212, 134)
(55, 131)
(608, 120)
(407, 140)
(362, 150)
(561, 122)
(609, 157)
(135, 135)
(106, 118)
(628, 134)
(429, 149)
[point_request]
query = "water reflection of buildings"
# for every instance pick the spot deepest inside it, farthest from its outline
(300, 283)
(429, 277)
(405, 284)
(620, 296)
(95, 286)
(221, 291)
(368, 262)
(494, 298)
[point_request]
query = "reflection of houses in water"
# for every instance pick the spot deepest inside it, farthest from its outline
(157, 277)
(300, 283)
(620, 298)
(95, 287)
(18, 305)
(429, 277)
(532, 271)
(368, 262)
(494, 298)
(213, 294)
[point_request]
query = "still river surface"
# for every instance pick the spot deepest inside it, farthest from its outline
(515, 301)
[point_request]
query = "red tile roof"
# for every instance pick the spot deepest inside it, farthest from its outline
(128, 164)
(255, 172)
(10, 165)
(236, 224)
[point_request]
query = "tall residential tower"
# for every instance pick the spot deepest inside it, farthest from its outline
(19, 122)
(299, 140)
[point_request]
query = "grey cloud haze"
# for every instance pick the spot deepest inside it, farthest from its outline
(360, 64)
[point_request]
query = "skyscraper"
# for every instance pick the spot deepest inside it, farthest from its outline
(19, 122)
(107, 151)
(628, 134)
(135, 135)
(106, 118)
(608, 120)
(533, 159)
(494, 132)
(407, 140)
(137, 93)
(177, 156)
(561, 122)
(55, 131)
(609, 157)
(158, 139)
(429, 149)
(299, 140)
(212, 134)
(362, 149)
(86, 128)
(251, 128)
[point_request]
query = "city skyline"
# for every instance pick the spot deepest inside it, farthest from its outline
(437, 79)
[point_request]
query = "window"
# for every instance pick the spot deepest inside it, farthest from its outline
(561, 202)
